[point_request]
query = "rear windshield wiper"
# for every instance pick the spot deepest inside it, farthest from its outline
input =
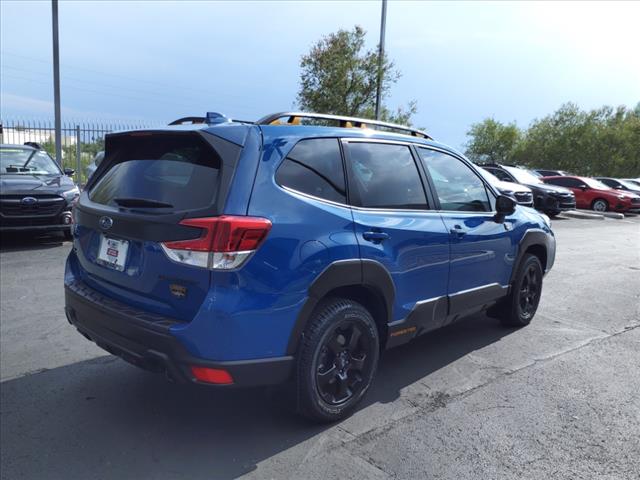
(141, 202)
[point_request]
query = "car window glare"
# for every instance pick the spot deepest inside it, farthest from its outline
(463, 190)
(522, 175)
(384, 176)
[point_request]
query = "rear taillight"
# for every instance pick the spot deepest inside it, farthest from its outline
(226, 242)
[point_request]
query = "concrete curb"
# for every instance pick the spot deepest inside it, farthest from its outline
(615, 215)
(583, 215)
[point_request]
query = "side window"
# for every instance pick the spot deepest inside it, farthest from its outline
(457, 186)
(501, 174)
(383, 175)
(314, 167)
(565, 182)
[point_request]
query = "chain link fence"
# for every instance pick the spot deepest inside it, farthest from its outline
(80, 140)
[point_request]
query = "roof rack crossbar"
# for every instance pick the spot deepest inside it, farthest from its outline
(342, 120)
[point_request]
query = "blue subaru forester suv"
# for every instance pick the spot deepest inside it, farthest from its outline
(298, 247)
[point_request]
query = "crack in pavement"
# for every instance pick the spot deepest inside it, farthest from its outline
(441, 399)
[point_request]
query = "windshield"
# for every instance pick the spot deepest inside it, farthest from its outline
(522, 175)
(22, 161)
(596, 184)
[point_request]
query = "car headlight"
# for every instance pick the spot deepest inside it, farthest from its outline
(71, 194)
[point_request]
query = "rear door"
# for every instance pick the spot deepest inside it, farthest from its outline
(396, 226)
(147, 184)
(482, 252)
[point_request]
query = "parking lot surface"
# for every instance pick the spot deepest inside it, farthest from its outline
(558, 399)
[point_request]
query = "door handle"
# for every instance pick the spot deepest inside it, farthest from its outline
(457, 231)
(375, 237)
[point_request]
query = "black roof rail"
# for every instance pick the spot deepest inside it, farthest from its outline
(189, 120)
(293, 118)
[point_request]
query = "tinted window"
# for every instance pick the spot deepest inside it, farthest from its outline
(501, 174)
(566, 182)
(314, 167)
(177, 170)
(609, 182)
(458, 187)
(384, 176)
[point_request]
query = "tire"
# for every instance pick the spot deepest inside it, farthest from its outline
(552, 213)
(336, 365)
(67, 234)
(519, 307)
(600, 205)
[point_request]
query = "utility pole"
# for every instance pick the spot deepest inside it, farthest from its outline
(56, 81)
(383, 24)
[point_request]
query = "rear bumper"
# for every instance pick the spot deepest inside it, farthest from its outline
(145, 340)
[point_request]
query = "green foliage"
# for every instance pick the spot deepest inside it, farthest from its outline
(340, 78)
(491, 141)
(88, 150)
(604, 141)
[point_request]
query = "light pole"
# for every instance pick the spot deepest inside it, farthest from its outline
(56, 81)
(383, 24)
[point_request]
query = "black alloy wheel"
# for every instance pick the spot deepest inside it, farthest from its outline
(337, 360)
(520, 306)
(344, 361)
(529, 293)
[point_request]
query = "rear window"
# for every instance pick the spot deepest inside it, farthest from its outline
(180, 172)
(314, 167)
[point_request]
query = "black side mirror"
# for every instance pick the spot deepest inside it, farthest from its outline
(583, 187)
(69, 172)
(504, 206)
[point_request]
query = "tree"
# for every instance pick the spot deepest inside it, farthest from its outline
(493, 142)
(604, 141)
(339, 77)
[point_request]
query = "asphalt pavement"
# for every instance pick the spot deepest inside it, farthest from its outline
(558, 399)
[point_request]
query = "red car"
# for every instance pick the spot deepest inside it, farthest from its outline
(593, 194)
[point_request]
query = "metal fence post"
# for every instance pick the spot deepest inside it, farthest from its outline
(78, 153)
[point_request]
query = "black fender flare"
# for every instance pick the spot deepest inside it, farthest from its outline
(535, 237)
(343, 273)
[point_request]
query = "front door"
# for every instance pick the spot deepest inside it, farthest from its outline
(396, 227)
(482, 253)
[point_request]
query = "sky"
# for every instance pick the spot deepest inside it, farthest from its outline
(156, 61)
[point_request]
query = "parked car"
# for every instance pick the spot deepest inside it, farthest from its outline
(519, 193)
(91, 168)
(543, 172)
(595, 195)
(619, 184)
(226, 253)
(635, 181)
(546, 198)
(35, 194)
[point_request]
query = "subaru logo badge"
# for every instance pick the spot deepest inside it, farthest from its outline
(28, 201)
(105, 223)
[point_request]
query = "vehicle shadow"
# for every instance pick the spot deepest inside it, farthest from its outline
(102, 418)
(23, 241)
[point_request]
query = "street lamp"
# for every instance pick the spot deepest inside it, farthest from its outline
(383, 24)
(56, 81)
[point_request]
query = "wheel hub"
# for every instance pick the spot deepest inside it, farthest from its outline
(343, 363)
